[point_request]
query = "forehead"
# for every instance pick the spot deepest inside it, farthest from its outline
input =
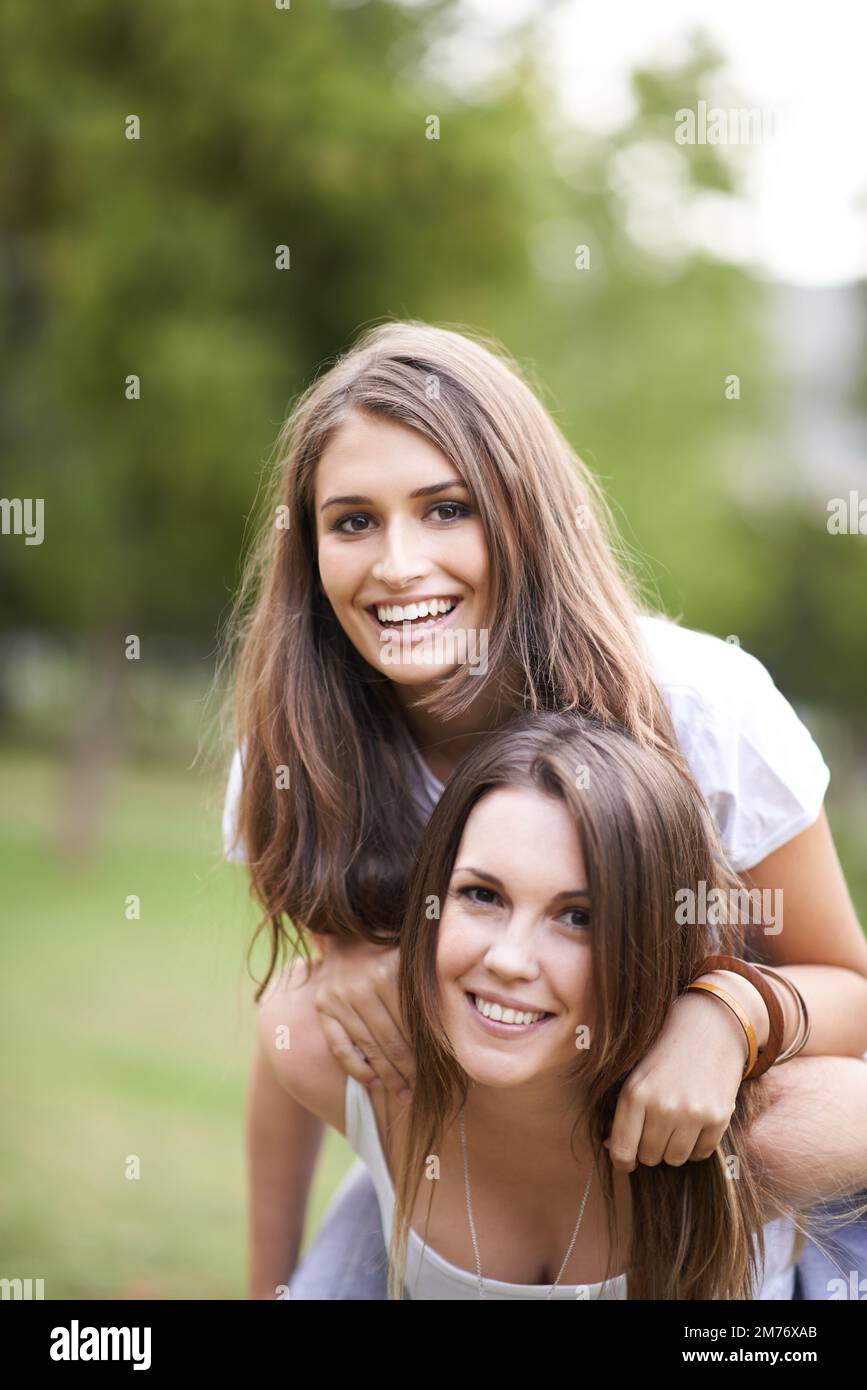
(524, 836)
(368, 453)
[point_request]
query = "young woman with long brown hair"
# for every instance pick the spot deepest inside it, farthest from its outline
(541, 951)
(422, 491)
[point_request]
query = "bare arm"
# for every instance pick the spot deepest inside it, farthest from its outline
(818, 941)
(836, 1000)
(283, 1141)
(811, 1140)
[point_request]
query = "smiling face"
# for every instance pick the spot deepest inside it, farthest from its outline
(399, 541)
(515, 929)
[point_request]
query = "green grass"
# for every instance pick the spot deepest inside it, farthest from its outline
(126, 1038)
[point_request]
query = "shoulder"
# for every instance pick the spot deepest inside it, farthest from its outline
(709, 667)
(757, 763)
(291, 1037)
(719, 695)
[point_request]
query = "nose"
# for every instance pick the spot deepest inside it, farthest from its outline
(399, 562)
(512, 955)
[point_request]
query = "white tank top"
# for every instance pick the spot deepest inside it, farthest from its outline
(429, 1276)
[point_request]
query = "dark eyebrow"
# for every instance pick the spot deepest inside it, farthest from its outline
(492, 878)
(356, 500)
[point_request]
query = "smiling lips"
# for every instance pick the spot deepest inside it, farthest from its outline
(421, 613)
(423, 608)
(414, 629)
(505, 1019)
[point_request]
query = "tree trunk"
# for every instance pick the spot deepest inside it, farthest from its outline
(96, 745)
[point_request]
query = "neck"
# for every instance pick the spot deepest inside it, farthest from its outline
(445, 743)
(537, 1125)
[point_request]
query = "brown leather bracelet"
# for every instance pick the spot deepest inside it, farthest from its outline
(740, 1014)
(776, 1022)
(802, 1032)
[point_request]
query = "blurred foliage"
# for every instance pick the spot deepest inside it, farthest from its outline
(306, 127)
(157, 257)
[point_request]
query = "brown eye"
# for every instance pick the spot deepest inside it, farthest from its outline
(456, 507)
(341, 524)
(580, 912)
(467, 894)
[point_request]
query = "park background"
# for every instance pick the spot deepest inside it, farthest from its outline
(309, 127)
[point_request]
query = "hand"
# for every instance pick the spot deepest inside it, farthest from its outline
(356, 999)
(676, 1104)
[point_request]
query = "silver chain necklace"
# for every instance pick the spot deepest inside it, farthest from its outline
(550, 1292)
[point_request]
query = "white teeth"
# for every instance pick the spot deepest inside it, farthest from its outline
(501, 1015)
(396, 613)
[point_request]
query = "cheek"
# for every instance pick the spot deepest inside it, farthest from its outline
(457, 946)
(340, 570)
(329, 561)
(325, 561)
(465, 553)
(479, 562)
(575, 972)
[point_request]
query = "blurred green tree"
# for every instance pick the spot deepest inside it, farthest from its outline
(308, 128)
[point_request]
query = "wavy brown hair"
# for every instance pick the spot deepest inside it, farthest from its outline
(331, 852)
(646, 833)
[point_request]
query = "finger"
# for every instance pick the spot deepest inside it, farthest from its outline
(371, 1044)
(371, 1026)
(667, 1123)
(707, 1142)
(626, 1131)
(343, 1050)
(658, 1130)
(681, 1145)
(388, 1027)
(388, 1034)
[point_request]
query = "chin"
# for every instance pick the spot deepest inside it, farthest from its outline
(498, 1073)
(407, 673)
(492, 1064)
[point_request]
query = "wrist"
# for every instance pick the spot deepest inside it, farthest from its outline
(747, 996)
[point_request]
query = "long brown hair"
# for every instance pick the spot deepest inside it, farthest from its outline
(326, 812)
(646, 833)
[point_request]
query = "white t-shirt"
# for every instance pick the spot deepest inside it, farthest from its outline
(759, 768)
